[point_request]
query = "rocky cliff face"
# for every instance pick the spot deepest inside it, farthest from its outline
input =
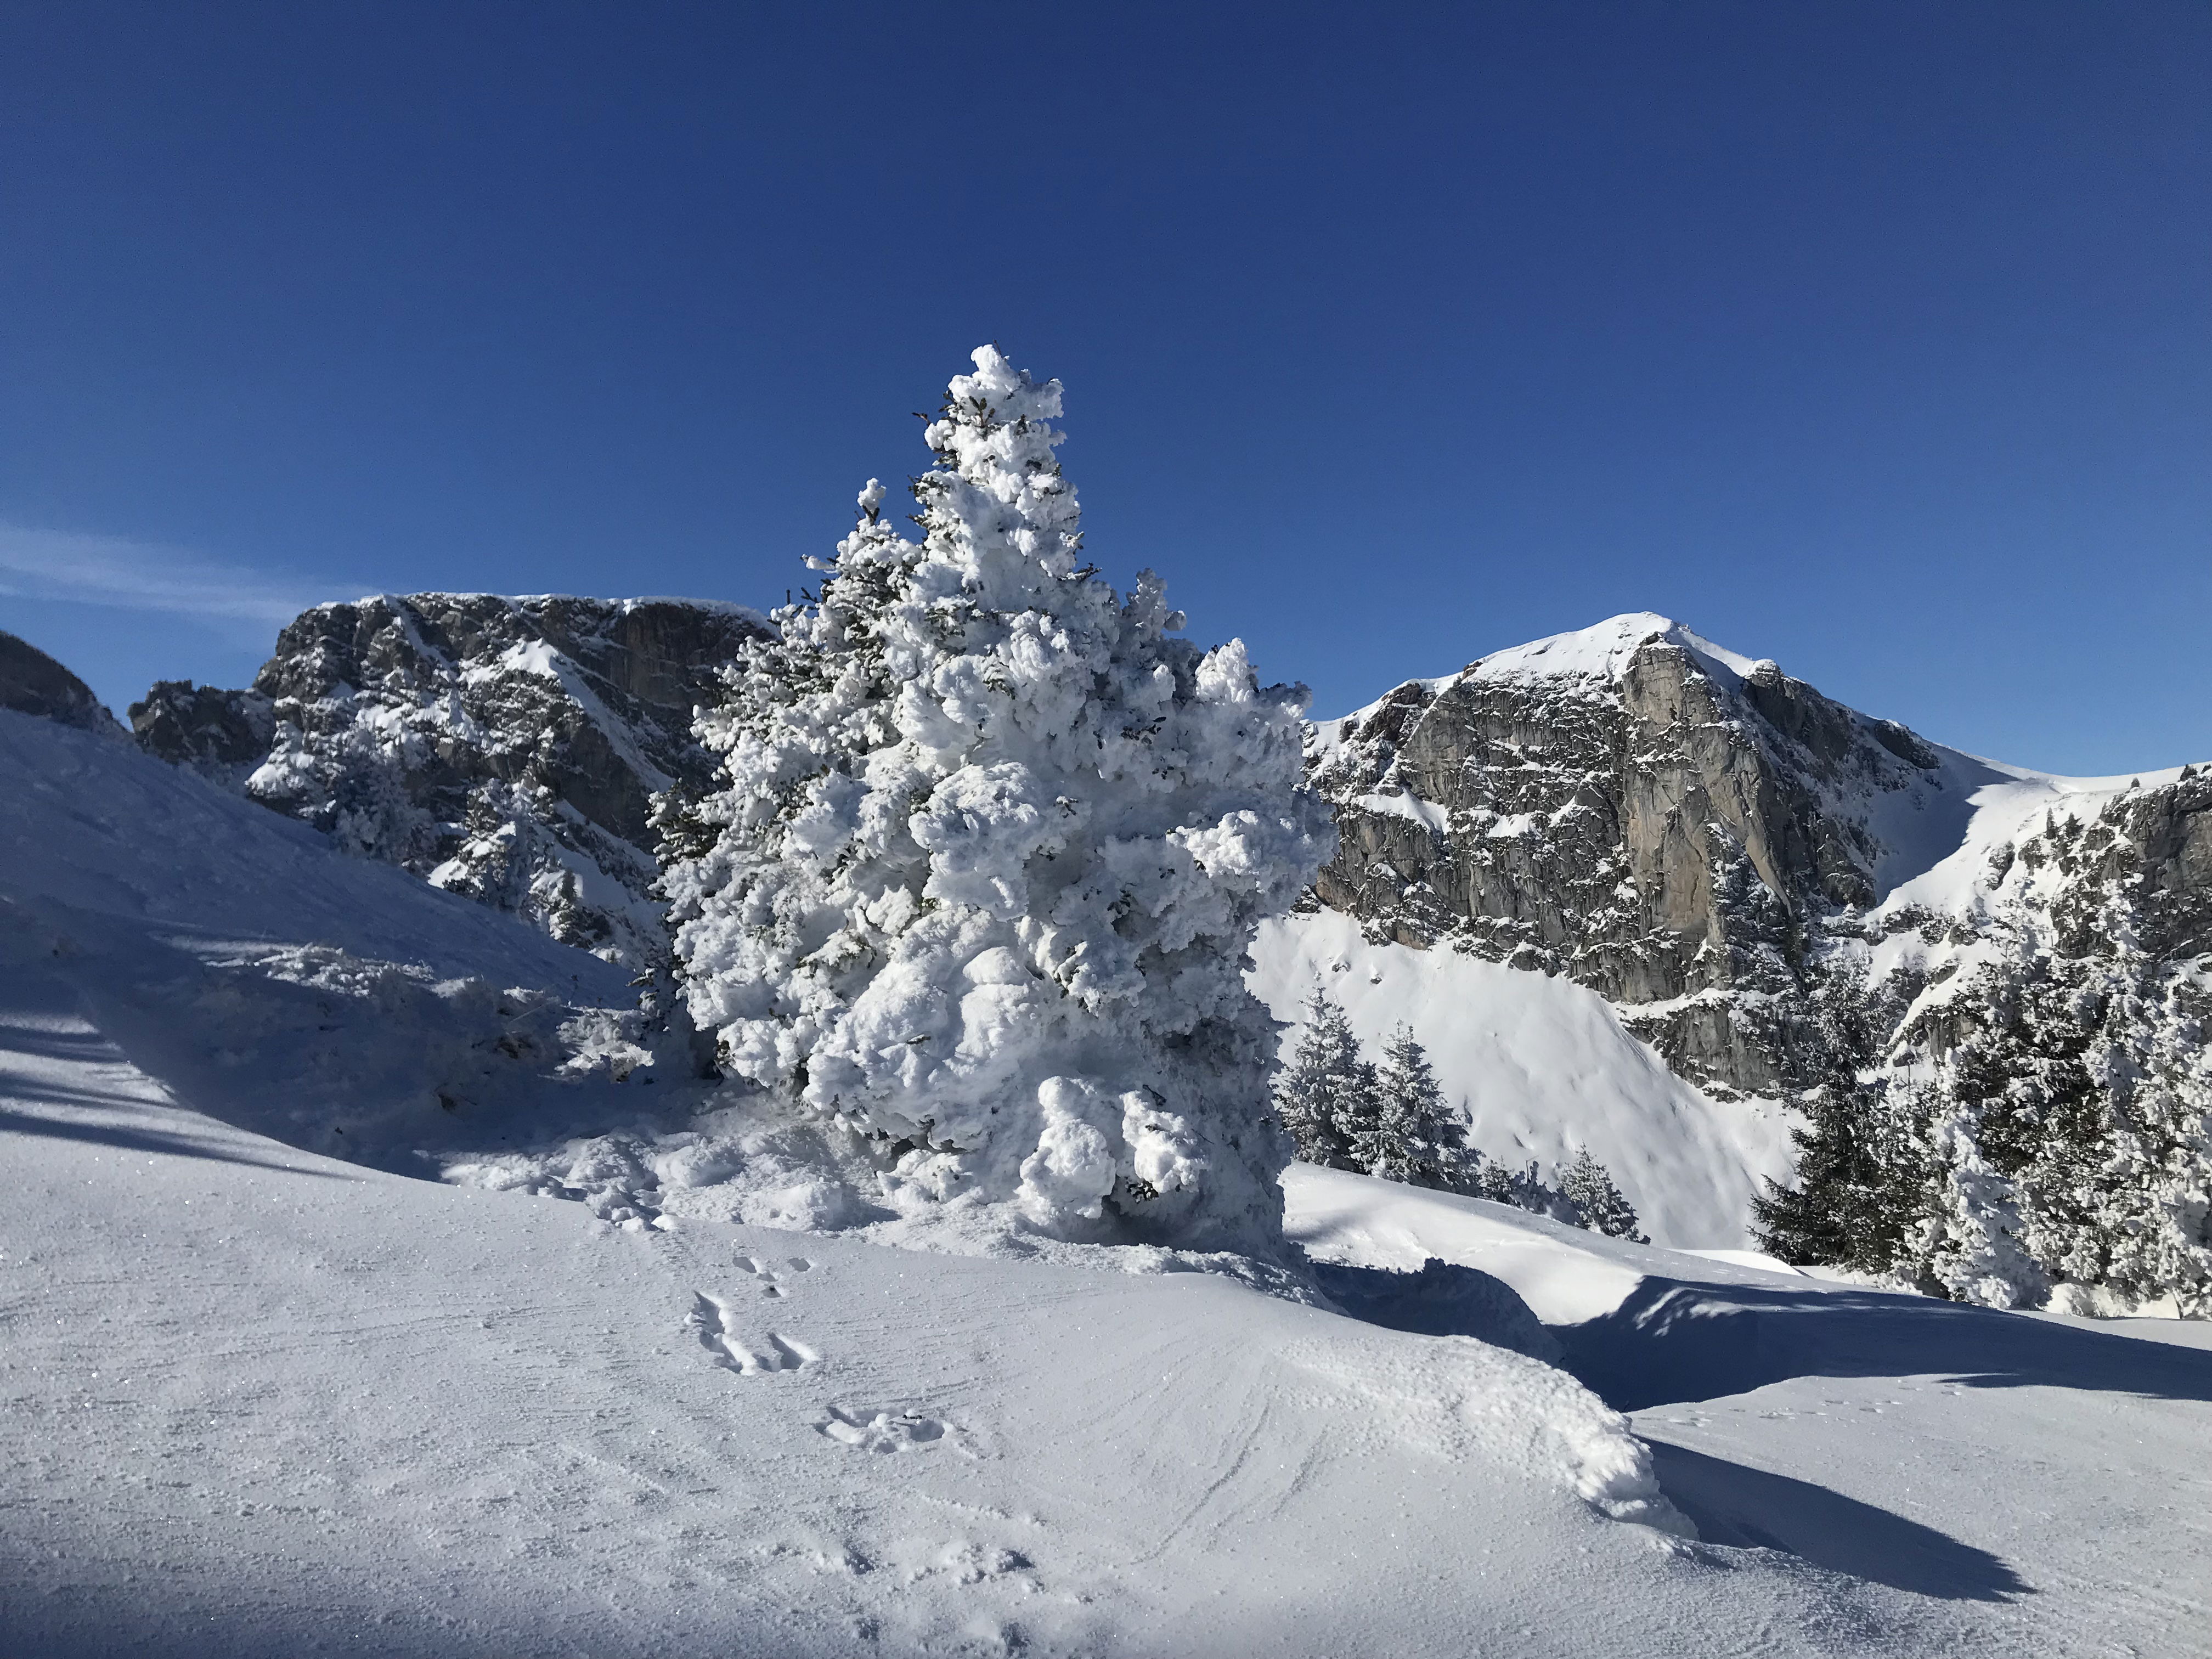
(33, 682)
(506, 749)
(1691, 833)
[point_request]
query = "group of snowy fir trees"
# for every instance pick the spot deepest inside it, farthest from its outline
(1348, 1112)
(2044, 1126)
(993, 842)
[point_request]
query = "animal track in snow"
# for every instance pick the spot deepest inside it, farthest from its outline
(714, 1321)
(881, 1429)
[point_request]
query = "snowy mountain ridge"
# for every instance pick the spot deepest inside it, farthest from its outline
(1989, 985)
(1632, 810)
(505, 748)
(1684, 829)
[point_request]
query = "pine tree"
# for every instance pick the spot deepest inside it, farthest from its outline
(1967, 1243)
(1325, 1094)
(1587, 1185)
(1494, 1181)
(1420, 1141)
(1845, 1207)
(2140, 1197)
(991, 848)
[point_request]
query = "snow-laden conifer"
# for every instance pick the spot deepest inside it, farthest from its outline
(1968, 1241)
(1327, 1091)
(992, 845)
(1587, 1185)
(1420, 1141)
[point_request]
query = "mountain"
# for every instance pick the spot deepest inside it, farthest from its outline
(1989, 985)
(31, 683)
(503, 749)
(1671, 824)
(1638, 894)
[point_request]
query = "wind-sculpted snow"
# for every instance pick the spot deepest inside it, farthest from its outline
(989, 847)
(2022, 1472)
(267, 1391)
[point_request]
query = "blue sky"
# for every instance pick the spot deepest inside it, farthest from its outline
(1872, 338)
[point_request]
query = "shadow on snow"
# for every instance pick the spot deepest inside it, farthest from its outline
(1672, 1342)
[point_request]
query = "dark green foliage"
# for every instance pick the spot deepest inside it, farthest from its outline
(1587, 1185)
(1845, 1209)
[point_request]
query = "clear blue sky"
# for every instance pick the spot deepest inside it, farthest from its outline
(1870, 337)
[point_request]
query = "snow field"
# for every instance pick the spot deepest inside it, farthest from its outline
(265, 1401)
(285, 1405)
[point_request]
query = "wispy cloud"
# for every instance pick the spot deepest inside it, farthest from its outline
(52, 564)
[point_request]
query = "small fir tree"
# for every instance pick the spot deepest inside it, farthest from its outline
(1325, 1095)
(1844, 1209)
(1419, 1139)
(1587, 1185)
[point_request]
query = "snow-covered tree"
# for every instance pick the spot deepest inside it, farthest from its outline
(991, 847)
(1326, 1095)
(1587, 1185)
(1967, 1243)
(1417, 1139)
(1494, 1181)
(2159, 1174)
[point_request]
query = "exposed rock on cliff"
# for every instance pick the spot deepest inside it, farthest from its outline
(33, 682)
(1664, 821)
(503, 748)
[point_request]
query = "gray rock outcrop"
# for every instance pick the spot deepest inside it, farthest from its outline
(1668, 824)
(33, 682)
(506, 749)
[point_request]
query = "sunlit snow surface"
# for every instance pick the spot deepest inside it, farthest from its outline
(263, 1401)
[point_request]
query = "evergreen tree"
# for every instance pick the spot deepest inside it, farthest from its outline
(1419, 1139)
(2131, 1208)
(1587, 1185)
(1965, 1244)
(1326, 1094)
(991, 848)
(1494, 1181)
(1845, 1208)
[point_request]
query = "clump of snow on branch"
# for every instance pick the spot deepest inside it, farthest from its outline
(991, 847)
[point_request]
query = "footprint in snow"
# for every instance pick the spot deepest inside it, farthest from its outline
(765, 1271)
(714, 1321)
(881, 1428)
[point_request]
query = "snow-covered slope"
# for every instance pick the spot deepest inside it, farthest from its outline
(278, 1403)
(268, 1402)
(326, 1001)
(1539, 1065)
(2035, 1484)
